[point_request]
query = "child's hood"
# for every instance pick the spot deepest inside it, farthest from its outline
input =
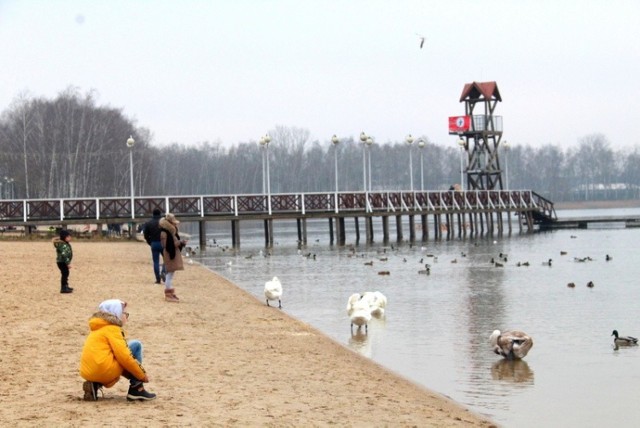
(101, 319)
(57, 241)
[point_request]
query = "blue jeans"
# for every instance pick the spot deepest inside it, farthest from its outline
(135, 346)
(156, 252)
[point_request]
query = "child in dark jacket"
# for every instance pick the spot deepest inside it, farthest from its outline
(64, 254)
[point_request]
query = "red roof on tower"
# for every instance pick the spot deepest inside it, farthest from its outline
(476, 90)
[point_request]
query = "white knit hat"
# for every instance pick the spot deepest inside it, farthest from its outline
(113, 306)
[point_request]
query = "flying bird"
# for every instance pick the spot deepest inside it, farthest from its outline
(421, 40)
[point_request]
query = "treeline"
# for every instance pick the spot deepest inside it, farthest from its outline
(71, 147)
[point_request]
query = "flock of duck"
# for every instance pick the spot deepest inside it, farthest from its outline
(511, 345)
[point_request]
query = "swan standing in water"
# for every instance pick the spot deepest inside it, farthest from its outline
(511, 344)
(359, 312)
(377, 302)
(273, 291)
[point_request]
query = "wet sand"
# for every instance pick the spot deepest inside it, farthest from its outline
(220, 357)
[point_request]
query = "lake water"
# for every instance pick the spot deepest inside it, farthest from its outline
(436, 328)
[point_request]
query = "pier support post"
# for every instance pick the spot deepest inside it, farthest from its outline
(412, 228)
(369, 228)
(202, 231)
(268, 232)
(425, 227)
(235, 233)
(340, 230)
(331, 230)
(356, 224)
(399, 234)
(385, 229)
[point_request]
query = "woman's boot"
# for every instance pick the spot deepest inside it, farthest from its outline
(169, 296)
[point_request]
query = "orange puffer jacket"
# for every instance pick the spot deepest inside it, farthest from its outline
(105, 354)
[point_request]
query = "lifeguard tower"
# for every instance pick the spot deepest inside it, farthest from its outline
(479, 132)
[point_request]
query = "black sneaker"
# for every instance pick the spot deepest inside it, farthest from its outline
(66, 290)
(91, 390)
(139, 394)
(163, 276)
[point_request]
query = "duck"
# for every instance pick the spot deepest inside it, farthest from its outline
(608, 257)
(512, 345)
(426, 270)
(384, 272)
(571, 285)
(563, 253)
(359, 312)
(590, 284)
(547, 263)
(273, 291)
(623, 340)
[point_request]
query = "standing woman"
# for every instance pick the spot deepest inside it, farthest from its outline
(171, 253)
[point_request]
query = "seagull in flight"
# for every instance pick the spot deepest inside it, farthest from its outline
(421, 40)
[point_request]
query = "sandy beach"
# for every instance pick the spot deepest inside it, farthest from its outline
(220, 357)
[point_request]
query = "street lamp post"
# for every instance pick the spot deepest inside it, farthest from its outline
(335, 141)
(130, 143)
(363, 139)
(421, 146)
(461, 143)
(409, 140)
(506, 163)
(369, 143)
(264, 141)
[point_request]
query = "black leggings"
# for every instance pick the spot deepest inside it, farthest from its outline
(64, 278)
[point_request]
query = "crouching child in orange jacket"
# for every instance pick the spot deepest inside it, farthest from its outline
(107, 354)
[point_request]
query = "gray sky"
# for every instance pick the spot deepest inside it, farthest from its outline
(229, 71)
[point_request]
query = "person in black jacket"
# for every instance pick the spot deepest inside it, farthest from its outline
(151, 234)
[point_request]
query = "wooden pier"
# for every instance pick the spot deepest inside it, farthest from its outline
(453, 213)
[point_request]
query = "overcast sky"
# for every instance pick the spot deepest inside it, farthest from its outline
(229, 71)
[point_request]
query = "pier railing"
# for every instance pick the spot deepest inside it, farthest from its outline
(119, 209)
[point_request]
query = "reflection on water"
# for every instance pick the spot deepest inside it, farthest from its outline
(514, 371)
(359, 342)
(436, 327)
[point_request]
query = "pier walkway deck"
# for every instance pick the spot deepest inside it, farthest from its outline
(471, 211)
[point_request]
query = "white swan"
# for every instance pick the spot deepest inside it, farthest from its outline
(377, 302)
(359, 312)
(273, 291)
(511, 344)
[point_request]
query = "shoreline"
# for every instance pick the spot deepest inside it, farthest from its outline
(219, 357)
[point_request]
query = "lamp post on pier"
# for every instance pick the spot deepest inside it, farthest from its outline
(461, 143)
(369, 142)
(335, 141)
(409, 140)
(264, 142)
(506, 147)
(421, 146)
(130, 143)
(363, 139)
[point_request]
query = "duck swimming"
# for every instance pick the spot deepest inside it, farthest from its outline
(623, 340)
